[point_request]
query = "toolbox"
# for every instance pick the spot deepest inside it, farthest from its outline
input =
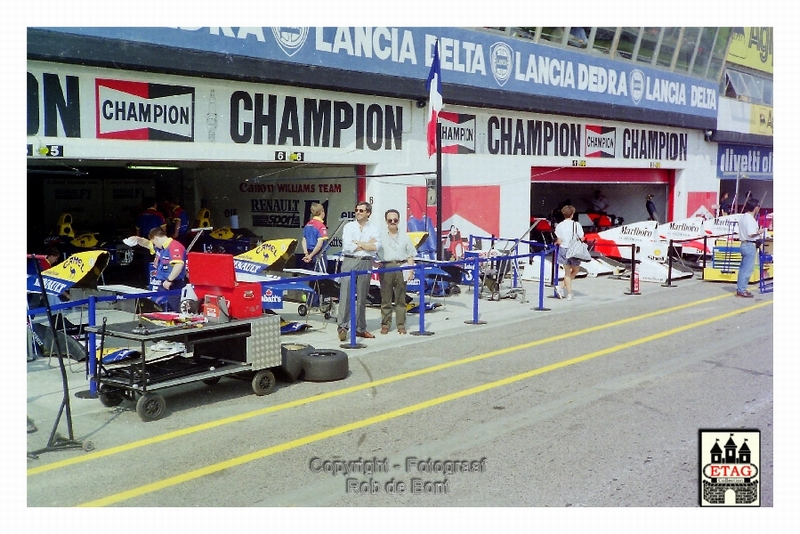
(213, 275)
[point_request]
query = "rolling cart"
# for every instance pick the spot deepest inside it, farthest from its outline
(247, 349)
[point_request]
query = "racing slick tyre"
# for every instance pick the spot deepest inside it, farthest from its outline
(292, 360)
(151, 406)
(109, 397)
(325, 366)
(263, 383)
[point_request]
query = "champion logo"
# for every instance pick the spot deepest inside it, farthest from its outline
(144, 111)
(600, 141)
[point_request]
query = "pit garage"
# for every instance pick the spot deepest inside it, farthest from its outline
(103, 199)
(625, 189)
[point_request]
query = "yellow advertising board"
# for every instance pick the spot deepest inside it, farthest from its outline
(752, 47)
(760, 119)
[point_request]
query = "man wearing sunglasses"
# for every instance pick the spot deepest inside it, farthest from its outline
(396, 250)
(360, 242)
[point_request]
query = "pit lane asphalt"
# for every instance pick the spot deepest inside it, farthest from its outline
(596, 402)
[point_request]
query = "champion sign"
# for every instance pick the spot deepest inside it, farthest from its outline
(144, 111)
(601, 141)
(458, 133)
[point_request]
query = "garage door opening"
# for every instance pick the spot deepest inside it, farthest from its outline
(625, 189)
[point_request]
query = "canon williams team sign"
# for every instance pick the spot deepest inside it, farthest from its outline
(144, 111)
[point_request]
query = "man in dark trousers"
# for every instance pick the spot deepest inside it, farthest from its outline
(652, 212)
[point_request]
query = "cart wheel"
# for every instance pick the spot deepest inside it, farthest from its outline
(327, 316)
(495, 296)
(109, 397)
(292, 360)
(88, 445)
(325, 365)
(211, 381)
(151, 406)
(302, 310)
(263, 383)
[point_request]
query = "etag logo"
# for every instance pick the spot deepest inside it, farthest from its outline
(729, 462)
(290, 38)
(501, 58)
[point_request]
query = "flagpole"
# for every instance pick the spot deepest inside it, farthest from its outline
(439, 254)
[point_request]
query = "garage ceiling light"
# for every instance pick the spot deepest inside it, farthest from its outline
(152, 167)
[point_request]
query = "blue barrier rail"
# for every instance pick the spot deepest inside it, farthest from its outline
(419, 272)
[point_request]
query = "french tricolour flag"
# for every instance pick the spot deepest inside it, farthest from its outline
(435, 105)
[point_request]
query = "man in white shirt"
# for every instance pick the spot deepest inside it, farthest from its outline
(360, 242)
(599, 203)
(749, 233)
(396, 250)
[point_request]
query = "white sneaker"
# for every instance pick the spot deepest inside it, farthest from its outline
(569, 297)
(559, 293)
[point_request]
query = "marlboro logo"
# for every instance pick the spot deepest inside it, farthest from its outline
(144, 111)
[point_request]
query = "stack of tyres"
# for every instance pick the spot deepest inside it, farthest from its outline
(314, 365)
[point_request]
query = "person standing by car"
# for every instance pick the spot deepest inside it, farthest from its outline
(650, 206)
(725, 204)
(315, 239)
(599, 203)
(749, 233)
(149, 218)
(177, 218)
(566, 231)
(169, 265)
(396, 250)
(360, 242)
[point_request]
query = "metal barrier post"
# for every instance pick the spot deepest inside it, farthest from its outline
(419, 271)
(475, 289)
(541, 283)
(634, 286)
(93, 378)
(669, 267)
(554, 271)
(353, 313)
(705, 247)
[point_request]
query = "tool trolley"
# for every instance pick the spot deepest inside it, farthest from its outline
(247, 349)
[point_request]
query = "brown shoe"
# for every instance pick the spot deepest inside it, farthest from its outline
(401, 329)
(745, 294)
(384, 329)
(365, 334)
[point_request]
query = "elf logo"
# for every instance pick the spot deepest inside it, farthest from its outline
(144, 111)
